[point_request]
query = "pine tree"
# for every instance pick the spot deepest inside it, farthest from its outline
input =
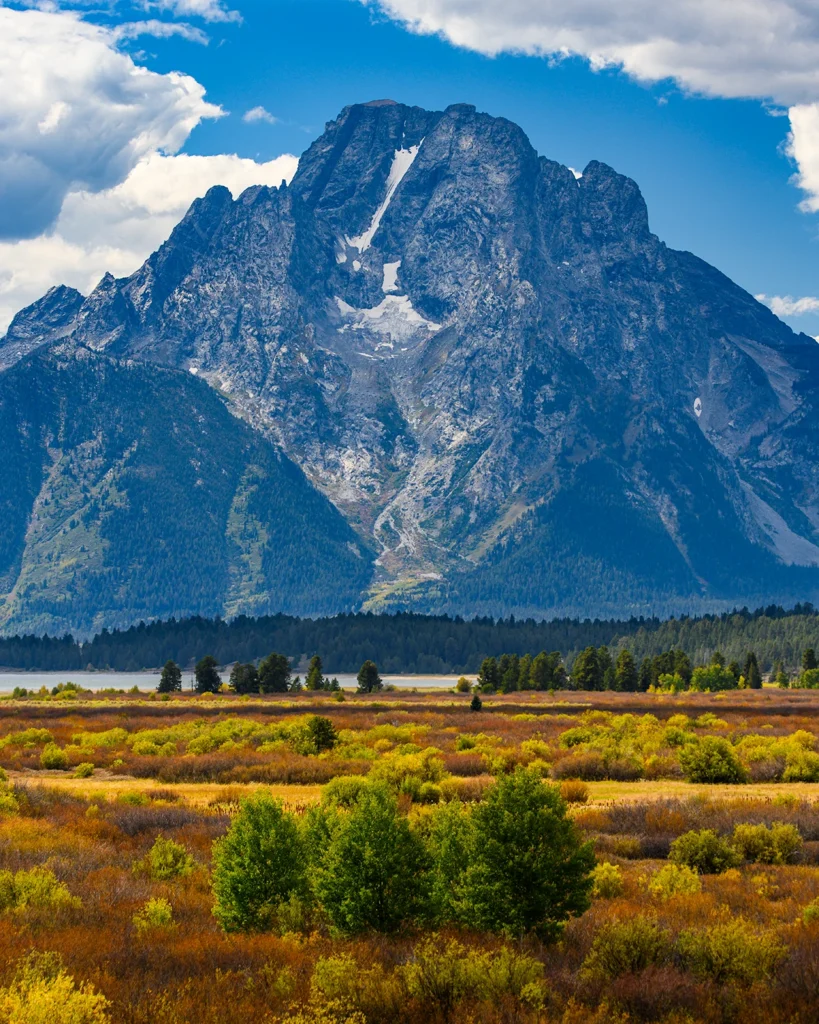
(244, 678)
(315, 679)
(753, 677)
(206, 675)
(369, 681)
(274, 674)
(171, 679)
(626, 679)
(809, 660)
(476, 703)
(489, 676)
(586, 671)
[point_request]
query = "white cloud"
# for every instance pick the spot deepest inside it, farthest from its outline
(78, 114)
(160, 30)
(258, 114)
(208, 10)
(116, 229)
(763, 49)
(787, 305)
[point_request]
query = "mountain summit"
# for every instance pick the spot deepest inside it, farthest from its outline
(516, 395)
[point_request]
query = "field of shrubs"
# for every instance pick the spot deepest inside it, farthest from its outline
(329, 858)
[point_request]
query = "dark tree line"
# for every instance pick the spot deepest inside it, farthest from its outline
(411, 643)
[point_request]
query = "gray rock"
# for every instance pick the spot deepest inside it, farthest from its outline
(512, 389)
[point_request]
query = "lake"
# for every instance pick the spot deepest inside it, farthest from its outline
(149, 680)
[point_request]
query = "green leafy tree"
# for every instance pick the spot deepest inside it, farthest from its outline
(809, 661)
(753, 677)
(712, 678)
(171, 679)
(258, 865)
(274, 674)
(711, 759)
(315, 676)
(372, 876)
(369, 681)
(626, 679)
(529, 869)
(489, 676)
(207, 676)
(244, 678)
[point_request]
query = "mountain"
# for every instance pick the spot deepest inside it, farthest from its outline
(514, 393)
(131, 492)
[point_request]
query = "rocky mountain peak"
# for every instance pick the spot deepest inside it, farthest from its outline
(519, 397)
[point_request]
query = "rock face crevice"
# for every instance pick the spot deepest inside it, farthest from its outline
(516, 394)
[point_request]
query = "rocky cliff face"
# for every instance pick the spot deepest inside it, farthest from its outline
(515, 393)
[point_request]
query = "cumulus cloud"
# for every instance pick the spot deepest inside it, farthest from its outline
(787, 305)
(116, 229)
(256, 114)
(78, 114)
(763, 49)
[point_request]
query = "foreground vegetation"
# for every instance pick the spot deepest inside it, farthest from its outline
(308, 859)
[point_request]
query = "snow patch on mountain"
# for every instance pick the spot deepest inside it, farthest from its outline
(401, 163)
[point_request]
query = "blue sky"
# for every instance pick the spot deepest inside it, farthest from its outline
(714, 171)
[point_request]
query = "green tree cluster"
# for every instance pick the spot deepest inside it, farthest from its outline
(514, 864)
(512, 672)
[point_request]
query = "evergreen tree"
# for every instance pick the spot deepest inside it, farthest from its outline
(244, 678)
(274, 674)
(586, 672)
(809, 661)
(171, 679)
(525, 673)
(369, 681)
(315, 679)
(206, 675)
(735, 670)
(509, 670)
(476, 703)
(489, 676)
(644, 680)
(753, 677)
(626, 679)
(607, 676)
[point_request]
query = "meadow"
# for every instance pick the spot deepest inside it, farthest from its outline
(112, 804)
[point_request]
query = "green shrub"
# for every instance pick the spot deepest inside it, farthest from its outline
(625, 947)
(36, 889)
(343, 790)
(762, 845)
(735, 951)
(53, 758)
(43, 993)
(133, 799)
(368, 991)
(157, 913)
(84, 770)
(811, 912)
(674, 880)
(167, 859)
(705, 852)
(711, 759)
(608, 881)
